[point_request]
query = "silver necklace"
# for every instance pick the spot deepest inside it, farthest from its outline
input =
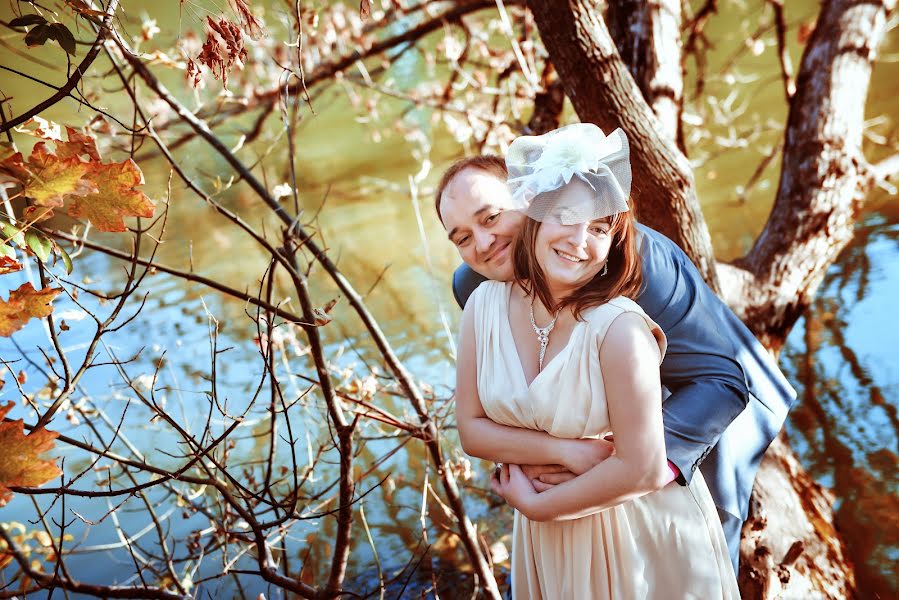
(542, 335)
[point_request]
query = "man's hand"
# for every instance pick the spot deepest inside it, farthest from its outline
(543, 477)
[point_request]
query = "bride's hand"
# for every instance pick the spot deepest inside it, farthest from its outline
(581, 455)
(513, 485)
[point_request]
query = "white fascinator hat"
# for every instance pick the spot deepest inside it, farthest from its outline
(542, 168)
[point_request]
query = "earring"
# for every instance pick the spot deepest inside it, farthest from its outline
(605, 269)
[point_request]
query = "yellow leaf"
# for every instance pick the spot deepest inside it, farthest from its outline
(24, 304)
(43, 539)
(20, 462)
(46, 178)
(116, 197)
(37, 214)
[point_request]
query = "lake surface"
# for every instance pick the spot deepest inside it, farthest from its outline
(840, 355)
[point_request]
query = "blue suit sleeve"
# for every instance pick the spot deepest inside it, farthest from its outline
(701, 369)
(695, 416)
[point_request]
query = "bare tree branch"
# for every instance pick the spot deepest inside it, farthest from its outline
(402, 375)
(783, 54)
(80, 70)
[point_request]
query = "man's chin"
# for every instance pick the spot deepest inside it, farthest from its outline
(496, 273)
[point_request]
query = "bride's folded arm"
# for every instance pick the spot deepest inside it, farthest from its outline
(629, 359)
(484, 438)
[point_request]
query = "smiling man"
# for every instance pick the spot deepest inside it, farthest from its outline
(728, 399)
(483, 230)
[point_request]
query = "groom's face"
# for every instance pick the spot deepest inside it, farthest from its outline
(476, 211)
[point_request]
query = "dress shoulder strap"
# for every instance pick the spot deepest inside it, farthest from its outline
(601, 318)
(488, 300)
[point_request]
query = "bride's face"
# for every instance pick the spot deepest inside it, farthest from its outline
(572, 253)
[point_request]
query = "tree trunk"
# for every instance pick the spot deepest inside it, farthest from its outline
(790, 547)
(548, 103)
(603, 92)
(648, 38)
(825, 179)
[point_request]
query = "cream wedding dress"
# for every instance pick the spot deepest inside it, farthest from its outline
(667, 545)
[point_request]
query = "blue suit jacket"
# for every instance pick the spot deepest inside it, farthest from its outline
(728, 397)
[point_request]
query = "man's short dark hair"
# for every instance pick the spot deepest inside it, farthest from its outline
(494, 165)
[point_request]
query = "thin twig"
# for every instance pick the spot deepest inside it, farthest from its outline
(105, 28)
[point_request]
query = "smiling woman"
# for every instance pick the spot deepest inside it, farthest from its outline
(553, 260)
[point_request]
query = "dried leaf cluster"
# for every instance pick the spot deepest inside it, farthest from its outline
(21, 463)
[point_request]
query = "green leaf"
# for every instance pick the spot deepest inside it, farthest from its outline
(38, 35)
(12, 233)
(26, 20)
(65, 38)
(66, 259)
(40, 245)
(7, 251)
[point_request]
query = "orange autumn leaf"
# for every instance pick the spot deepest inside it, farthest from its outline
(46, 178)
(117, 196)
(20, 462)
(24, 304)
(9, 265)
(77, 145)
(104, 193)
(250, 24)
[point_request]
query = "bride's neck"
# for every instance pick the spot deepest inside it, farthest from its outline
(541, 311)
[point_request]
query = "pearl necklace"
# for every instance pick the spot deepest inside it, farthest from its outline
(542, 335)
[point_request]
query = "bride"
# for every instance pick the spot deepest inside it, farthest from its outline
(562, 357)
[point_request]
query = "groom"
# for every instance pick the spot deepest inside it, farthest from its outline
(728, 398)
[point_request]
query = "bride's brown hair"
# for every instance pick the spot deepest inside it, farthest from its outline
(624, 277)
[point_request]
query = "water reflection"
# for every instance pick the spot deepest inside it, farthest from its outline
(845, 427)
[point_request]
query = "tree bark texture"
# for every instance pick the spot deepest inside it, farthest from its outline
(791, 548)
(603, 92)
(648, 37)
(548, 103)
(825, 177)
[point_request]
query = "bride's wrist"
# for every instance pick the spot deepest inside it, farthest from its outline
(534, 508)
(563, 451)
(558, 453)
